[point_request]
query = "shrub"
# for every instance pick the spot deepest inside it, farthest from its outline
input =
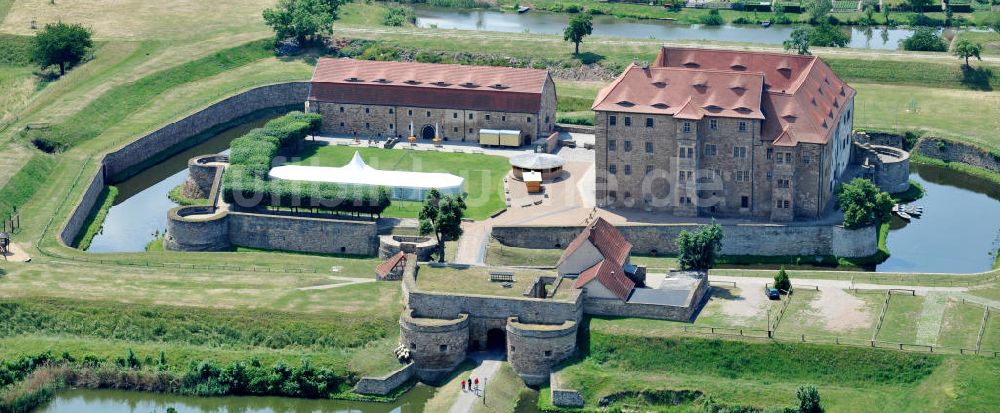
(398, 16)
(828, 35)
(781, 280)
(808, 399)
(713, 18)
(925, 40)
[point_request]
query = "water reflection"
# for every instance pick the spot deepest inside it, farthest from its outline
(555, 23)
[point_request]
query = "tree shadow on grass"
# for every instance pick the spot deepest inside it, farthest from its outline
(588, 58)
(977, 78)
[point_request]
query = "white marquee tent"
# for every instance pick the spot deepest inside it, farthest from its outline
(403, 185)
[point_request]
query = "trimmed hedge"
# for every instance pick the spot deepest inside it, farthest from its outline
(246, 182)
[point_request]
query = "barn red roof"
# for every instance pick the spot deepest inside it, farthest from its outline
(801, 96)
(487, 88)
(610, 275)
(606, 238)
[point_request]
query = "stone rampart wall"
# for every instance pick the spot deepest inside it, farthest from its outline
(744, 239)
(950, 151)
(381, 386)
(437, 345)
(318, 235)
(87, 203)
(233, 107)
(196, 228)
(534, 349)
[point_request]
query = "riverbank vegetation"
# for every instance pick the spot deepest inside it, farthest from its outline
(95, 220)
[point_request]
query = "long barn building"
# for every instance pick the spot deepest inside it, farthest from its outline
(454, 102)
(724, 133)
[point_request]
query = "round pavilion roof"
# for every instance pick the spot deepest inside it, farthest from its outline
(537, 161)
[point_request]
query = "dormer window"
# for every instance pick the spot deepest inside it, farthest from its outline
(660, 84)
(738, 67)
(353, 79)
(440, 83)
(498, 86)
(382, 80)
(661, 105)
(412, 82)
(743, 109)
(469, 84)
(625, 103)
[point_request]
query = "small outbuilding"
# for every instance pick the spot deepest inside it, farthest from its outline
(533, 182)
(392, 268)
(548, 165)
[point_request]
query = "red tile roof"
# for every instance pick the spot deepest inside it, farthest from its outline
(386, 266)
(606, 238)
(802, 97)
(610, 275)
(488, 88)
(684, 93)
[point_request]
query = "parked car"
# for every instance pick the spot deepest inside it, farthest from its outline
(773, 294)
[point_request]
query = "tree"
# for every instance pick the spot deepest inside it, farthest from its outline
(918, 5)
(697, 250)
(62, 44)
(713, 18)
(781, 280)
(828, 35)
(926, 40)
(579, 26)
(799, 40)
(303, 20)
(965, 49)
(808, 399)
(818, 10)
(863, 204)
(442, 216)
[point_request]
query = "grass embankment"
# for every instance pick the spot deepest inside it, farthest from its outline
(115, 105)
(483, 173)
(766, 374)
(23, 184)
(177, 195)
(95, 220)
(503, 392)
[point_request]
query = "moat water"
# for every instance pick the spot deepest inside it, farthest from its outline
(555, 23)
(117, 401)
(139, 212)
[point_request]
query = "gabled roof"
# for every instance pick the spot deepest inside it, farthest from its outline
(610, 275)
(428, 85)
(606, 238)
(803, 98)
(386, 266)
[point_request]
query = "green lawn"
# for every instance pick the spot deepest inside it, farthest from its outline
(990, 41)
(498, 254)
(483, 173)
(961, 325)
(991, 336)
(901, 318)
(805, 316)
(476, 280)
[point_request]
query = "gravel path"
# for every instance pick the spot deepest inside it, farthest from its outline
(931, 317)
(489, 364)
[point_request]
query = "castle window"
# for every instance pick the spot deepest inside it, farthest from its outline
(612, 145)
(649, 169)
(470, 116)
(529, 119)
(649, 122)
(805, 158)
(443, 348)
(788, 158)
(742, 176)
(503, 118)
(455, 129)
(548, 353)
(470, 130)
(413, 346)
(743, 126)
(512, 348)
(546, 118)
(687, 127)
(713, 124)
(770, 152)
(428, 113)
(628, 169)
(649, 147)
(613, 169)
(391, 111)
(409, 112)
(454, 115)
(367, 125)
(744, 202)
(367, 110)
(711, 150)
(391, 126)
(341, 124)
(628, 121)
(487, 116)
(628, 146)
(739, 152)
(612, 120)
(341, 109)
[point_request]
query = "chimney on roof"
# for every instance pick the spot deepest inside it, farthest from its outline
(645, 65)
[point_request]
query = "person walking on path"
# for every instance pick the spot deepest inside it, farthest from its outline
(463, 386)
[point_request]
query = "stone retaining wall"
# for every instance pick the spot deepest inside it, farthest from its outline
(741, 239)
(288, 233)
(206, 231)
(381, 386)
(233, 107)
(950, 151)
(565, 127)
(563, 397)
(534, 349)
(87, 203)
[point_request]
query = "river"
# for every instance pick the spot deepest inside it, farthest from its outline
(555, 23)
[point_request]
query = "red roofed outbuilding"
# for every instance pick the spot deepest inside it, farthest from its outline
(376, 98)
(598, 258)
